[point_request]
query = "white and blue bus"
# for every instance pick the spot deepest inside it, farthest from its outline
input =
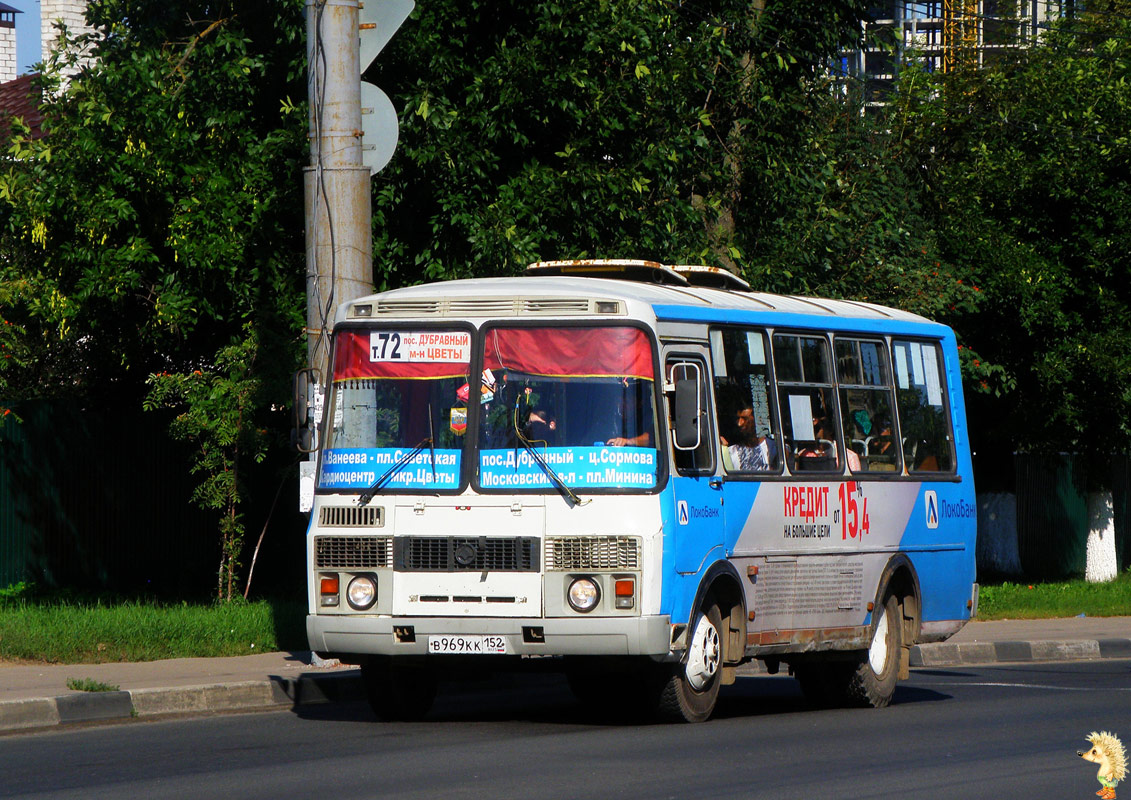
(648, 475)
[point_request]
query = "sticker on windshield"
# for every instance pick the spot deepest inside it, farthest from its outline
(359, 468)
(578, 467)
(420, 347)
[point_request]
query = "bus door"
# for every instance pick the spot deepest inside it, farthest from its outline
(752, 457)
(695, 537)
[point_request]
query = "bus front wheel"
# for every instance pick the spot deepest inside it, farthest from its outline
(692, 686)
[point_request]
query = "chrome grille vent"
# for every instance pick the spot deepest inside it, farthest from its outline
(351, 516)
(592, 553)
(565, 305)
(407, 307)
(484, 307)
(474, 554)
(352, 552)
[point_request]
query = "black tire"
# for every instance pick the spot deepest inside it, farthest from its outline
(866, 680)
(691, 688)
(396, 692)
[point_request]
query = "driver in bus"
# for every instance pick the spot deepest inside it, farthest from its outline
(624, 426)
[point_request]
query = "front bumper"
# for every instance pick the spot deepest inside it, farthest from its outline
(600, 636)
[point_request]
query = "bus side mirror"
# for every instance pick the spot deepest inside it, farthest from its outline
(307, 409)
(688, 406)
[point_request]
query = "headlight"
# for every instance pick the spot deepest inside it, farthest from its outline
(584, 595)
(362, 592)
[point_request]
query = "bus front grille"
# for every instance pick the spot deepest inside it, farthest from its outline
(473, 554)
(592, 553)
(352, 552)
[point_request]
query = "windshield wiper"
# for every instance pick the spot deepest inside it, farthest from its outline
(556, 479)
(432, 442)
(364, 498)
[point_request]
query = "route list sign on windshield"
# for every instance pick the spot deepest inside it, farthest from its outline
(420, 347)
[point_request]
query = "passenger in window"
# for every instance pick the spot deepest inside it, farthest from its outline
(749, 452)
(881, 451)
(821, 454)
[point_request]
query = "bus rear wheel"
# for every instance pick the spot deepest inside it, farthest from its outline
(691, 688)
(398, 692)
(867, 680)
(872, 683)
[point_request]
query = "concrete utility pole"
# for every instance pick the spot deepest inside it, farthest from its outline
(338, 210)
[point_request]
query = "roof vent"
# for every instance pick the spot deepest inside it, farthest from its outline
(644, 272)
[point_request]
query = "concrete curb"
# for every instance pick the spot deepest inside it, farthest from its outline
(283, 693)
(274, 693)
(947, 654)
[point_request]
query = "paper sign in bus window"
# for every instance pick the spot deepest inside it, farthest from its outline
(934, 389)
(420, 347)
(801, 416)
(901, 366)
(917, 363)
(755, 348)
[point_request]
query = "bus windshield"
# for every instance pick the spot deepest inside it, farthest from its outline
(582, 397)
(398, 409)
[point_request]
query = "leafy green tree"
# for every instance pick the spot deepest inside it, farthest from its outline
(587, 128)
(218, 409)
(1026, 164)
(156, 229)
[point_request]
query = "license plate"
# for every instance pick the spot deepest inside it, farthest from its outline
(467, 645)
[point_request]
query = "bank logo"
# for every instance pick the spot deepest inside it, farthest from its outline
(681, 512)
(932, 502)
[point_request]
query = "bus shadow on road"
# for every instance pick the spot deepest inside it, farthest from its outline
(547, 699)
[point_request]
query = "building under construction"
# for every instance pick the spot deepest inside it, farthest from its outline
(942, 35)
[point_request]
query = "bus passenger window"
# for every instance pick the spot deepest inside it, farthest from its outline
(866, 407)
(805, 393)
(748, 438)
(924, 425)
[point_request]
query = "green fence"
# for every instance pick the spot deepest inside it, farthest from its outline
(93, 501)
(1052, 514)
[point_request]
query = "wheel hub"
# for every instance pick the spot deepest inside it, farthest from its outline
(878, 652)
(704, 654)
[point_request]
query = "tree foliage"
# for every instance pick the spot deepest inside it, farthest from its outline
(217, 416)
(585, 128)
(150, 220)
(1026, 167)
(156, 228)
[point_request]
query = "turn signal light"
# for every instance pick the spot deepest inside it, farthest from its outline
(625, 591)
(329, 588)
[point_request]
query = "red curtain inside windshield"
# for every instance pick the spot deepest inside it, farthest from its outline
(432, 354)
(572, 352)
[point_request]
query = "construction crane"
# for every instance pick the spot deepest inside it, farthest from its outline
(960, 32)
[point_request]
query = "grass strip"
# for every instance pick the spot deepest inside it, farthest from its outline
(94, 633)
(75, 632)
(1008, 600)
(90, 685)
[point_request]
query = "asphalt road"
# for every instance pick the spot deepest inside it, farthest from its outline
(992, 732)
